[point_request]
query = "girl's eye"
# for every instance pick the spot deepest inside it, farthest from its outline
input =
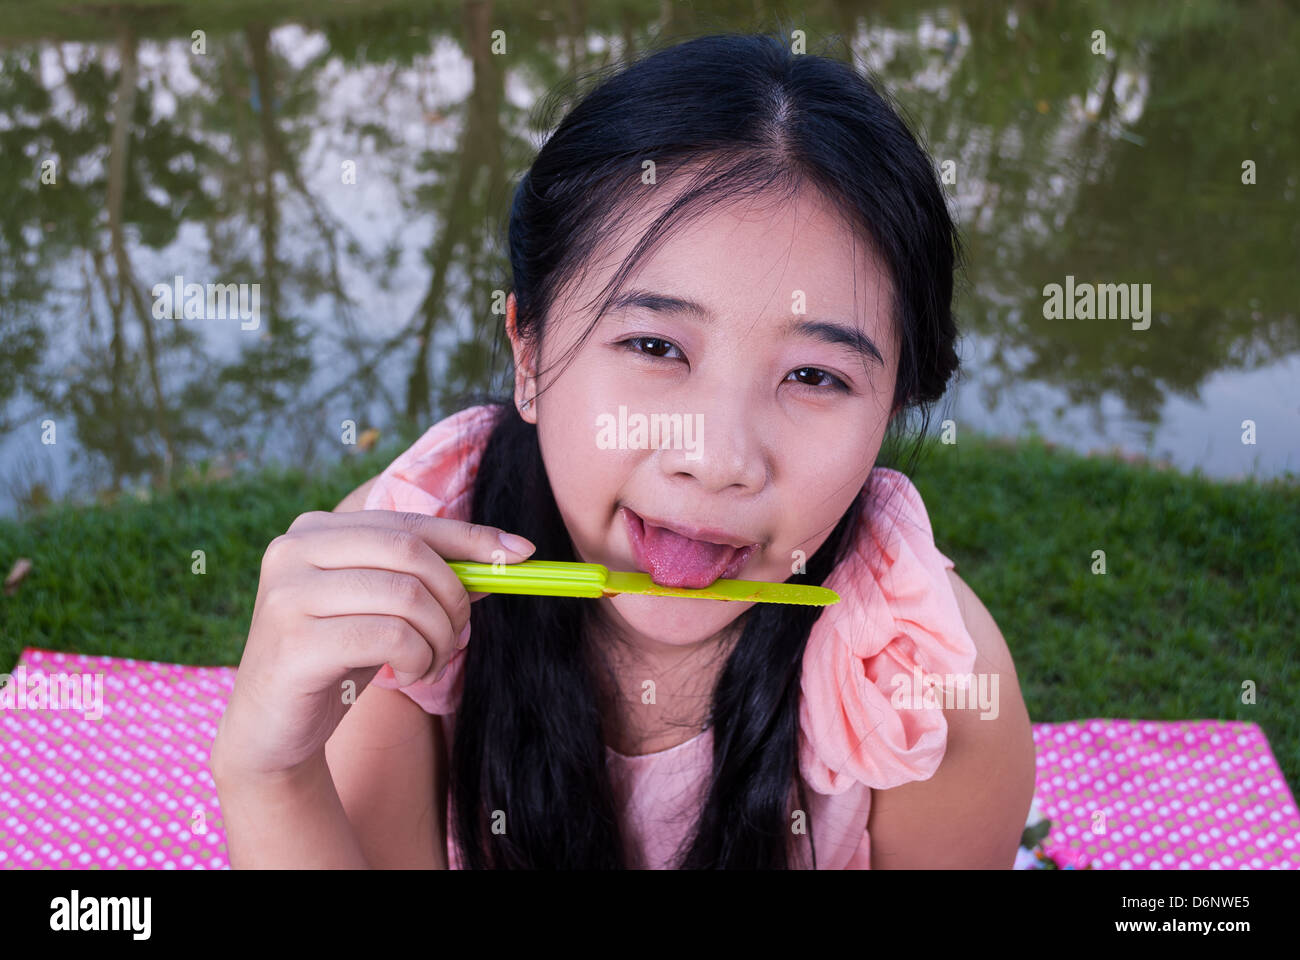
(819, 378)
(658, 348)
(655, 347)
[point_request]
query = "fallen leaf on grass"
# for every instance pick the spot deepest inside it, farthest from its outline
(22, 566)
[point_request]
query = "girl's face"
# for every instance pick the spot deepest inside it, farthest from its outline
(752, 327)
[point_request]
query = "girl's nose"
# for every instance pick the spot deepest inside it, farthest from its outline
(721, 449)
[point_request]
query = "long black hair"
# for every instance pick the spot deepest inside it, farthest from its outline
(738, 115)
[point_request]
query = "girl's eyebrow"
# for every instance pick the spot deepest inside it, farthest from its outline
(828, 331)
(825, 331)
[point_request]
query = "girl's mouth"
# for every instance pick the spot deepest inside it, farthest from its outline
(675, 560)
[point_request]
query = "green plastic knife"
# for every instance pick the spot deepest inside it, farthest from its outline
(556, 578)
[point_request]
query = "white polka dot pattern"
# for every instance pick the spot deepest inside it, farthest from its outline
(129, 790)
(1164, 795)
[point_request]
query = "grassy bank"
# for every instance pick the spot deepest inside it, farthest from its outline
(1200, 592)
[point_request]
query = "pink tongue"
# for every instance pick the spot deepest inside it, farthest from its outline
(677, 561)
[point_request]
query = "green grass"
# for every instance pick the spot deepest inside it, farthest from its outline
(1200, 592)
(117, 579)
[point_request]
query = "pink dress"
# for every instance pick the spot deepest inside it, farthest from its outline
(897, 612)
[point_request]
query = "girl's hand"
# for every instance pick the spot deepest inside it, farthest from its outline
(340, 595)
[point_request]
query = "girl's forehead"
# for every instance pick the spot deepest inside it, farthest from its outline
(756, 258)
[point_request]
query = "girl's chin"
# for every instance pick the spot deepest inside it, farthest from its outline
(675, 621)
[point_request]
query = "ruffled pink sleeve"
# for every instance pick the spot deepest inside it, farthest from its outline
(435, 475)
(897, 614)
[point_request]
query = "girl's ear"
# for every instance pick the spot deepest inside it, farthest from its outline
(525, 372)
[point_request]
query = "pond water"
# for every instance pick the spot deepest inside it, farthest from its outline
(355, 162)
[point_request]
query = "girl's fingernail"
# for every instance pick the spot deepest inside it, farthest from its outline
(516, 544)
(463, 638)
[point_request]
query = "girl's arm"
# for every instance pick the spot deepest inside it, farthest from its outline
(366, 801)
(386, 759)
(290, 822)
(255, 809)
(971, 813)
(369, 802)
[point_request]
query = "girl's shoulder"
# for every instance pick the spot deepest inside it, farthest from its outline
(435, 474)
(865, 716)
(897, 511)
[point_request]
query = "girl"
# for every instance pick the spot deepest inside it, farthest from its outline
(753, 242)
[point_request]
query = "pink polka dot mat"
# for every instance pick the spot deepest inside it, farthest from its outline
(130, 789)
(1161, 795)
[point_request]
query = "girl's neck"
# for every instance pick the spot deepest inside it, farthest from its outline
(640, 718)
